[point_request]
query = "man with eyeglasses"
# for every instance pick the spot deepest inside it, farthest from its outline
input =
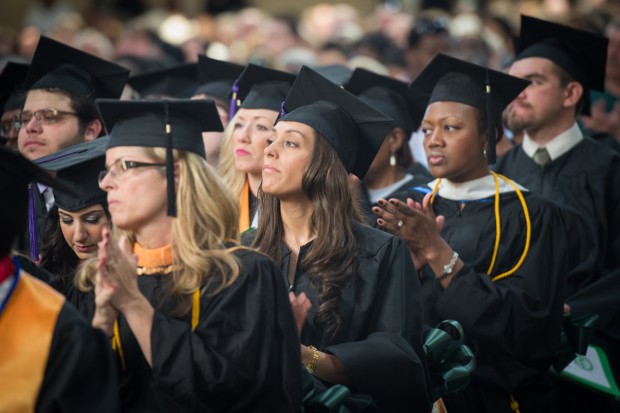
(59, 111)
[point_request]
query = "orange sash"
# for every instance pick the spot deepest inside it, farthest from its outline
(26, 329)
(244, 208)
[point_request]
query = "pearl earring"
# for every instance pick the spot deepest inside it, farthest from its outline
(393, 159)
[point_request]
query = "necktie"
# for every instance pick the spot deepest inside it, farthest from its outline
(48, 196)
(541, 156)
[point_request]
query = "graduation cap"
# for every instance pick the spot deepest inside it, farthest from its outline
(353, 128)
(16, 173)
(446, 79)
(388, 95)
(216, 77)
(26, 171)
(79, 167)
(58, 66)
(139, 65)
(170, 124)
(338, 74)
(582, 54)
(178, 82)
(259, 87)
(11, 80)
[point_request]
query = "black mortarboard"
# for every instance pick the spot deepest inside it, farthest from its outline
(28, 171)
(388, 95)
(260, 87)
(582, 54)
(16, 175)
(170, 124)
(338, 74)
(11, 80)
(178, 82)
(58, 66)
(140, 65)
(446, 79)
(354, 129)
(78, 166)
(216, 77)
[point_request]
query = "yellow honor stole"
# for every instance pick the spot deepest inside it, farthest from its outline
(26, 329)
(244, 208)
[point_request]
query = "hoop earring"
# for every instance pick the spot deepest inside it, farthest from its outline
(393, 159)
(484, 152)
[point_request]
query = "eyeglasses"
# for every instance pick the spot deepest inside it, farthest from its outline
(121, 166)
(431, 26)
(8, 126)
(42, 116)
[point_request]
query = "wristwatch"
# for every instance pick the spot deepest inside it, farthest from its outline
(448, 268)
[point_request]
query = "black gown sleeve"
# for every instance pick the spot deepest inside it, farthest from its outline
(244, 354)
(388, 363)
(512, 324)
(80, 375)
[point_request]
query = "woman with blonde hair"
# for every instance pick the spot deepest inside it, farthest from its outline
(205, 324)
(364, 325)
(260, 92)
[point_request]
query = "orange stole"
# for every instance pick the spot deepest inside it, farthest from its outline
(26, 329)
(244, 208)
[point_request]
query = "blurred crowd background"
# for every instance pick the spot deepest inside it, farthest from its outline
(395, 37)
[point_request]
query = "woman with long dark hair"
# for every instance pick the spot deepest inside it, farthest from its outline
(76, 221)
(364, 322)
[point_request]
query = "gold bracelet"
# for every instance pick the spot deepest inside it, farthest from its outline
(311, 365)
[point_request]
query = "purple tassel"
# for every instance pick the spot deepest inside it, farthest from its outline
(282, 110)
(233, 101)
(32, 225)
(54, 158)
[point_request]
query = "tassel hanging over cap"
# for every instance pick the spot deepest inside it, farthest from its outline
(491, 129)
(172, 210)
(234, 104)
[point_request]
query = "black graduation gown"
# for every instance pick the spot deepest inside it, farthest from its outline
(22, 243)
(84, 302)
(80, 375)
(605, 139)
(243, 356)
(585, 182)
(370, 218)
(380, 336)
(512, 325)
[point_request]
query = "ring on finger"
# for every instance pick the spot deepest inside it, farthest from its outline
(400, 223)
